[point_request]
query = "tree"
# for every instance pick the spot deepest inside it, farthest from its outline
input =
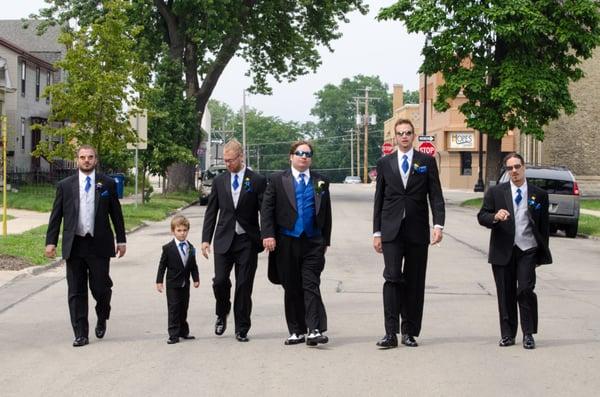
(512, 60)
(411, 96)
(336, 111)
(104, 73)
(278, 37)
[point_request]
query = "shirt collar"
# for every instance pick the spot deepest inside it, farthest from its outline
(177, 242)
(82, 177)
(296, 173)
(240, 173)
(523, 188)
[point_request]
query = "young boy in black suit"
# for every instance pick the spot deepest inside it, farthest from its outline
(179, 260)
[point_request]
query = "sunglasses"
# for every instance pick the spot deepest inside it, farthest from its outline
(301, 153)
(513, 167)
(404, 133)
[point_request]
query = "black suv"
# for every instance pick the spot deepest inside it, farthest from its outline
(563, 194)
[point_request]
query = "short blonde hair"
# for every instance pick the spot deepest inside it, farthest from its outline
(179, 220)
(235, 146)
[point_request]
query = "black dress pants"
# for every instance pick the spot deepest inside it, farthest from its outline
(244, 256)
(515, 283)
(81, 266)
(300, 262)
(404, 285)
(178, 301)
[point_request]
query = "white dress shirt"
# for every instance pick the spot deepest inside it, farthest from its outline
(85, 221)
(296, 175)
(235, 195)
(524, 238)
(184, 257)
(409, 157)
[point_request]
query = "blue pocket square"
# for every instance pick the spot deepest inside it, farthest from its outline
(422, 169)
(104, 194)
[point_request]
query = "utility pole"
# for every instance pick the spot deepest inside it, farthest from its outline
(357, 139)
(366, 121)
(244, 128)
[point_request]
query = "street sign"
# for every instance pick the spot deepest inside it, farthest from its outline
(387, 148)
(427, 148)
(426, 138)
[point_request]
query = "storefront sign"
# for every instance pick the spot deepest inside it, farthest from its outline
(462, 140)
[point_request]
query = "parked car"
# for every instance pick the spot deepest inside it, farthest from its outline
(207, 180)
(352, 179)
(563, 194)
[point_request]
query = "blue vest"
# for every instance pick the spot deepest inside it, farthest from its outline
(305, 206)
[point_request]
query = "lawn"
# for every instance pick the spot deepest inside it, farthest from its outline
(590, 204)
(30, 245)
(32, 197)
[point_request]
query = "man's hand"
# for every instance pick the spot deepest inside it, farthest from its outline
(377, 244)
(501, 215)
(159, 287)
(436, 235)
(121, 248)
(196, 284)
(50, 251)
(205, 249)
(269, 243)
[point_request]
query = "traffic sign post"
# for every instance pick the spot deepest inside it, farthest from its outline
(387, 148)
(427, 148)
(426, 138)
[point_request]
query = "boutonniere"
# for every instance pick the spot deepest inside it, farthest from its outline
(534, 205)
(247, 186)
(419, 169)
(99, 186)
(320, 187)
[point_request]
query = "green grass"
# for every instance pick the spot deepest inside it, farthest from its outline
(590, 204)
(474, 203)
(33, 198)
(589, 224)
(30, 245)
(8, 217)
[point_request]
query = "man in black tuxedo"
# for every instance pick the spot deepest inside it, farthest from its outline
(406, 180)
(86, 201)
(517, 213)
(296, 230)
(236, 196)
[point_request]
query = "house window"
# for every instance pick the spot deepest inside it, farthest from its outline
(23, 75)
(465, 163)
(22, 134)
(48, 82)
(37, 83)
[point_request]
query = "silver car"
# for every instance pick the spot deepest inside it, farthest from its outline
(207, 180)
(563, 194)
(352, 179)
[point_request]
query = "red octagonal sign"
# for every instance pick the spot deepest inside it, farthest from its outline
(427, 148)
(387, 148)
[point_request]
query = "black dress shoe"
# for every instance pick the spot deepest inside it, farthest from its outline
(294, 339)
(315, 337)
(409, 340)
(188, 337)
(506, 341)
(528, 342)
(220, 325)
(80, 341)
(100, 328)
(171, 341)
(388, 341)
(242, 337)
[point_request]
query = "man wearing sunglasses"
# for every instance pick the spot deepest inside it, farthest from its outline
(517, 214)
(406, 181)
(236, 197)
(296, 230)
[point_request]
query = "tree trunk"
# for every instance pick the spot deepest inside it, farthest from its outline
(493, 160)
(181, 177)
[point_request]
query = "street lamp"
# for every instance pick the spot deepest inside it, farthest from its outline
(427, 38)
(479, 185)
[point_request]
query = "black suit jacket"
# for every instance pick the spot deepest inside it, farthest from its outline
(252, 188)
(392, 199)
(279, 204)
(106, 204)
(177, 274)
(502, 237)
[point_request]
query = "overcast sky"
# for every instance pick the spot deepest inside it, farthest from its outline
(367, 47)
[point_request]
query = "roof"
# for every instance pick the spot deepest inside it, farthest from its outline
(26, 55)
(45, 46)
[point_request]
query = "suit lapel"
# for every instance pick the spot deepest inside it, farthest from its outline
(509, 201)
(175, 248)
(96, 195)
(416, 159)
(315, 182)
(530, 208)
(243, 187)
(75, 191)
(227, 182)
(288, 186)
(396, 169)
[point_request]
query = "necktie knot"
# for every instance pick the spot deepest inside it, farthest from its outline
(236, 183)
(88, 183)
(182, 247)
(302, 181)
(518, 197)
(405, 163)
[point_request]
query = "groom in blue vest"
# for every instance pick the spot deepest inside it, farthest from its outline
(296, 230)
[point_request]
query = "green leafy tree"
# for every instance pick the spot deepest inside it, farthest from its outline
(336, 112)
(103, 74)
(411, 96)
(279, 38)
(513, 60)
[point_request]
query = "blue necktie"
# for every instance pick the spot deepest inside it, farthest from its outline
(302, 182)
(88, 183)
(405, 164)
(235, 184)
(182, 247)
(518, 198)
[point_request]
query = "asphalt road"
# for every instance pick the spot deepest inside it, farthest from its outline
(458, 353)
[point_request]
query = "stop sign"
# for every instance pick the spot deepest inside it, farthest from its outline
(427, 148)
(387, 148)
